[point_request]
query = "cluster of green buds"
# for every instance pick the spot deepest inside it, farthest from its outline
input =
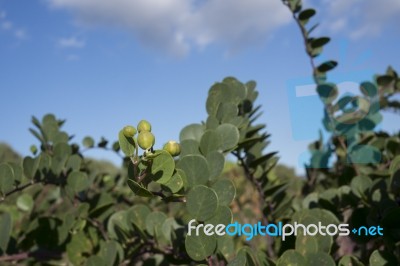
(154, 173)
(146, 139)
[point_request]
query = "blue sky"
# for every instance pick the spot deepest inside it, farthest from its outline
(102, 64)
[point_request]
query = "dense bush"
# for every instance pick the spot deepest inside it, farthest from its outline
(59, 208)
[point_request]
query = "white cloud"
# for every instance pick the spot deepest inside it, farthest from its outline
(20, 34)
(359, 18)
(72, 57)
(71, 42)
(6, 25)
(178, 25)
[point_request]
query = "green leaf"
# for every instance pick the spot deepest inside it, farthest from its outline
(364, 154)
(328, 92)
(226, 111)
(189, 146)
(74, 162)
(212, 122)
(196, 169)
(30, 166)
(96, 261)
(5, 232)
(162, 167)
(155, 220)
(306, 244)
(77, 247)
(384, 80)
(25, 202)
(137, 215)
(226, 246)
(6, 178)
(327, 66)
(292, 258)
(88, 142)
(108, 252)
(118, 225)
(78, 181)
(17, 172)
(320, 259)
(193, 131)
(201, 246)
(202, 202)
(305, 15)
(229, 136)
(216, 163)
(263, 159)
(223, 215)
(175, 183)
(319, 42)
(368, 89)
(209, 142)
(61, 153)
(127, 145)
(382, 258)
(138, 189)
(349, 260)
(295, 5)
(225, 190)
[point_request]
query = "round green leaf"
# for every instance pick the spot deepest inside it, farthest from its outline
(30, 166)
(138, 189)
(162, 167)
(327, 92)
(292, 258)
(226, 112)
(88, 142)
(137, 215)
(5, 232)
(175, 183)
(127, 145)
(78, 181)
(153, 220)
(189, 147)
(349, 260)
(74, 162)
(226, 246)
(360, 185)
(382, 258)
(201, 246)
(25, 202)
(216, 163)
(229, 135)
(320, 259)
(193, 131)
(209, 142)
(225, 190)
(6, 178)
(202, 202)
(223, 215)
(196, 169)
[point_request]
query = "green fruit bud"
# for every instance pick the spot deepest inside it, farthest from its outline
(173, 148)
(145, 140)
(129, 131)
(33, 149)
(144, 126)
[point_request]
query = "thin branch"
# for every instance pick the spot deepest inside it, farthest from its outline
(18, 188)
(249, 175)
(100, 227)
(40, 254)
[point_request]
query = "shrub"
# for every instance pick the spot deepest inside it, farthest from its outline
(60, 207)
